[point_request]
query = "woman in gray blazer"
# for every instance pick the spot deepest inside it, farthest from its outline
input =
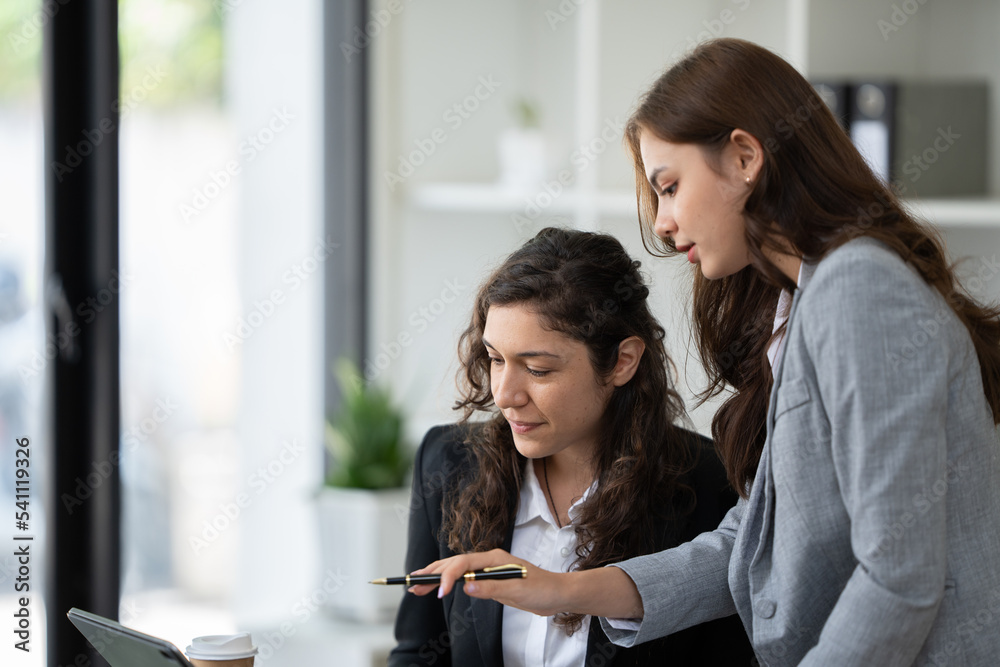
(863, 382)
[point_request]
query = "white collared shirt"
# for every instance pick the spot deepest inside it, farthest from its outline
(530, 640)
(777, 345)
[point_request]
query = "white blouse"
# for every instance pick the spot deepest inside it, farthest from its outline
(780, 317)
(535, 641)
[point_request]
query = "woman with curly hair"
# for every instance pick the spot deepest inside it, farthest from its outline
(577, 463)
(864, 393)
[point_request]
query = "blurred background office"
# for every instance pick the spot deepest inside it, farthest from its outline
(301, 181)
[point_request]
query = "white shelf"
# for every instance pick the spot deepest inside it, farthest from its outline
(493, 198)
(957, 212)
(487, 198)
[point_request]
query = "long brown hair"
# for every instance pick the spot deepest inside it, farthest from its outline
(814, 191)
(586, 286)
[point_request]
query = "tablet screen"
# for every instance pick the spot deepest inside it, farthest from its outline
(124, 647)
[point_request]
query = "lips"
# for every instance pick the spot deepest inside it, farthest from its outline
(689, 249)
(521, 427)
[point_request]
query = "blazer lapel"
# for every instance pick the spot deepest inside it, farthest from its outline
(764, 475)
(805, 275)
(487, 621)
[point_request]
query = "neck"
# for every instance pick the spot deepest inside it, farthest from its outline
(564, 479)
(787, 261)
(569, 469)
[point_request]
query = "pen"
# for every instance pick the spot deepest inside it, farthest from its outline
(499, 572)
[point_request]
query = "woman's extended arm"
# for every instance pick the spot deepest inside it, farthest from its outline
(605, 591)
(681, 587)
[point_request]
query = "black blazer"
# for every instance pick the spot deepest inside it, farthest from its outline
(465, 632)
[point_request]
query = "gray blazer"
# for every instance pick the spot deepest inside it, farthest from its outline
(872, 532)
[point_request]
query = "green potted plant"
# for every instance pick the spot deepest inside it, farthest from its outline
(363, 505)
(365, 438)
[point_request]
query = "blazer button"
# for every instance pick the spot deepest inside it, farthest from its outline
(765, 608)
(564, 552)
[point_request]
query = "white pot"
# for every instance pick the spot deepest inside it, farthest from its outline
(522, 158)
(362, 537)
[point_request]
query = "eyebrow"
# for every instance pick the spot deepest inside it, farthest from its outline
(522, 355)
(652, 177)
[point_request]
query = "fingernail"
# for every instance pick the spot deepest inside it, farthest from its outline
(470, 588)
(440, 592)
(410, 589)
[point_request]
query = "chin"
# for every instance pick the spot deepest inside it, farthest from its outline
(529, 449)
(710, 273)
(714, 272)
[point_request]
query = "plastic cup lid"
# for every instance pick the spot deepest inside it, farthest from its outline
(222, 647)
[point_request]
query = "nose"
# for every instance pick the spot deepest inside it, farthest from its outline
(508, 391)
(663, 225)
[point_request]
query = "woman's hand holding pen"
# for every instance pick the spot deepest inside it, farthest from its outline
(537, 592)
(606, 591)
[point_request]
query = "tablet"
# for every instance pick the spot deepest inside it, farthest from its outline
(124, 647)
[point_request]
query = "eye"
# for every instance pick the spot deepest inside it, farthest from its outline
(495, 361)
(537, 374)
(671, 189)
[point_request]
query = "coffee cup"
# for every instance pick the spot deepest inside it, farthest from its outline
(222, 651)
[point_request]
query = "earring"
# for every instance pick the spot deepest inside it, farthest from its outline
(748, 180)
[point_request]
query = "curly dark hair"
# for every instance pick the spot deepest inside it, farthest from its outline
(586, 286)
(814, 193)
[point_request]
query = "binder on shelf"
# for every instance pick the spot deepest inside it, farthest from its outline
(927, 138)
(872, 125)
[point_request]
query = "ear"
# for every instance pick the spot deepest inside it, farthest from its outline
(629, 353)
(746, 154)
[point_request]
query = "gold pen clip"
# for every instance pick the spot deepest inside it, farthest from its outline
(512, 566)
(471, 576)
